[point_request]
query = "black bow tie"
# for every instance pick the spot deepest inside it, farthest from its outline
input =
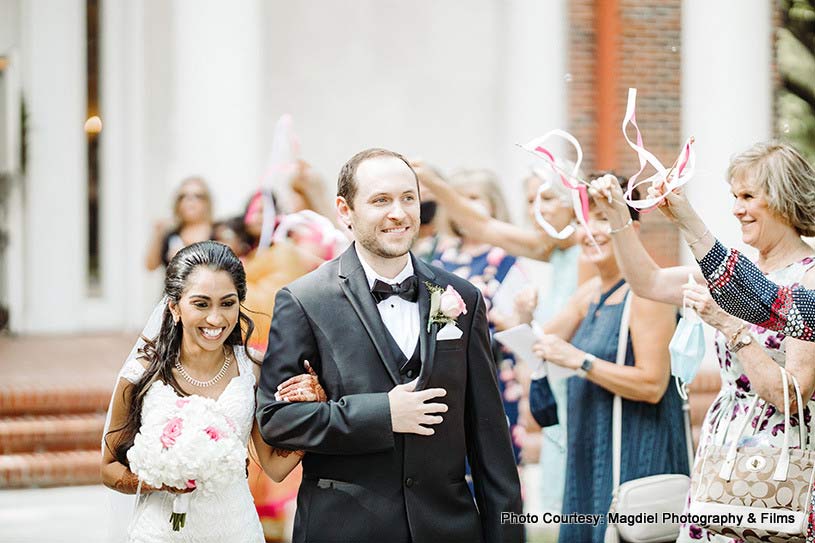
(407, 290)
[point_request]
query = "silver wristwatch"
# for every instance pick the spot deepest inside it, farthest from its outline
(586, 366)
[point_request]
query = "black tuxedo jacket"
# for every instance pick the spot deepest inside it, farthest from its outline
(361, 481)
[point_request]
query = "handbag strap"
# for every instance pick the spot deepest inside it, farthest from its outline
(801, 430)
(782, 466)
(617, 410)
(688, 432)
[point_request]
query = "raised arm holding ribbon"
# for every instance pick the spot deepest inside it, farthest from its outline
(766, 182)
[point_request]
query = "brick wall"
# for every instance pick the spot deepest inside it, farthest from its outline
(646, 41)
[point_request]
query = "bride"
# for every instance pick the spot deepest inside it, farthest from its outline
(200, 349)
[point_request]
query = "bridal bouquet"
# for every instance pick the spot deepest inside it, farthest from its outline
(187, 444)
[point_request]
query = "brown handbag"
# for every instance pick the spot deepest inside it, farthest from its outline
(759, 493)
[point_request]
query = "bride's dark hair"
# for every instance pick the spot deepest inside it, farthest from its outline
(161, 352)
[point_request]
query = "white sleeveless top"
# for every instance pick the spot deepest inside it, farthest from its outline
(228, 516)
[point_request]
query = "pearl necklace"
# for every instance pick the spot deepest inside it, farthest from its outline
(203, 384)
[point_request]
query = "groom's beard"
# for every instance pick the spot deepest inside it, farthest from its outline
(372, 242)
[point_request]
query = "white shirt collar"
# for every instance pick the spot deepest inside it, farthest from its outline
(372, 276)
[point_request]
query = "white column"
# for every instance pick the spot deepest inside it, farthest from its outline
(534, 87)
(214, 124)
(13, 269)
(726, 105)
(53, 68)
(127, 296)
(9, 25)
(726, 98)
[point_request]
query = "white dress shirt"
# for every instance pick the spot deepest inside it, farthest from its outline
(401, 317)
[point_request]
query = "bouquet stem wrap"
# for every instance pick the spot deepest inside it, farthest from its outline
(181, 504)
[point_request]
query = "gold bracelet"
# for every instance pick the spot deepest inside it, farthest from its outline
(732, 339)
(697, 240)
(623, 227)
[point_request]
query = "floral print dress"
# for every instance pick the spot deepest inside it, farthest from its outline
(733, 402)
(486, 270)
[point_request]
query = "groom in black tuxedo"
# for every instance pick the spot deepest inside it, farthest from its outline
(408, 399)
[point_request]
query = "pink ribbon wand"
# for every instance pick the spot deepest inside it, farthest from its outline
(579, 188)
(282, 165)
(680, 173)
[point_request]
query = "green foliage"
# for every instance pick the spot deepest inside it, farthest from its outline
(796, 66)
(796, 123)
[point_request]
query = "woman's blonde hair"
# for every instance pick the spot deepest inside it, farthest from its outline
(488, 184)
(786, 179)
(177, 202)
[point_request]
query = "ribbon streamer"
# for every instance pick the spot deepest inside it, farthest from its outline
(677, 175)
(579, 188)
(329, 238)
(546, 225)
(282, 166)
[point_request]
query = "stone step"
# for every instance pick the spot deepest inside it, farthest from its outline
(24, 399)
(39, 433)
(47, 469)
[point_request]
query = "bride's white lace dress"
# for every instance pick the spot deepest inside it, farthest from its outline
(228, 516)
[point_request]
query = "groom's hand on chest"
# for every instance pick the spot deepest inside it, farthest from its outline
(410, 414)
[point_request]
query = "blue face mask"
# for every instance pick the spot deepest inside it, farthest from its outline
(687, 347)
(542, 403)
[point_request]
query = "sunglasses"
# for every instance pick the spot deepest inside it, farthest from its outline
(193, 196)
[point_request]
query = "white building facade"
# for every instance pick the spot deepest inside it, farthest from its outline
(195, 87)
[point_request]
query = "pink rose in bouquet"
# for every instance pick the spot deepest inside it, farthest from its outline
(171, 431)
(213, 433)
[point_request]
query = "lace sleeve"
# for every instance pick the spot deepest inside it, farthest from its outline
(254, 354)
(132, 370)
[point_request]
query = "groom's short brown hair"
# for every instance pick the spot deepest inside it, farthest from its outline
(347, 182)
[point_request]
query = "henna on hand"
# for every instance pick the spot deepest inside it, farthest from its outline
(302, 388)
(284, 453)
(315, 383)
(128, 483)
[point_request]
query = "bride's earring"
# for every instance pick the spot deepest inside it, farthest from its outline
(174, 312)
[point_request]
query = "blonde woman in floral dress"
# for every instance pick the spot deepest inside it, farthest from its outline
(766, 184)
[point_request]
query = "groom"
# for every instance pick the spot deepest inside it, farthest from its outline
(412, 392)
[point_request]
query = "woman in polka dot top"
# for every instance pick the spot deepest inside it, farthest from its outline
(774, 192)
(739, 286)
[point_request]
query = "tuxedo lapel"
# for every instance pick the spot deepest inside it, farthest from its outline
(427, 340)
(354, 285)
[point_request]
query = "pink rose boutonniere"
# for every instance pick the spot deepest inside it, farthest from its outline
(446, 305)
